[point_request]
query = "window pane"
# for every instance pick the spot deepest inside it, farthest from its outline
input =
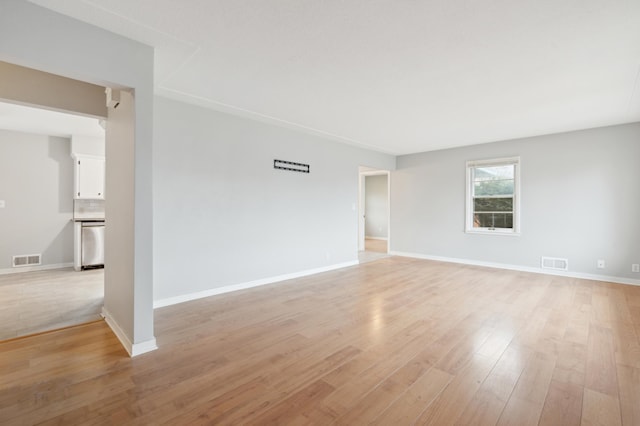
(493, 173)
(493, 187)
(493, 220)
(492, 194)
(493, 205)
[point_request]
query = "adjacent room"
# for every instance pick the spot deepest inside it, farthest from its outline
(321, 212)
(47, 280)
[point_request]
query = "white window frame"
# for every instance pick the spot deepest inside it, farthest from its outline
(515, 161)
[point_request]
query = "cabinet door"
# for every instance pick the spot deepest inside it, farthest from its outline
(90, 178)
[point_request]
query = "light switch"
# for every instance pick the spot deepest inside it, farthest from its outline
(1, 204)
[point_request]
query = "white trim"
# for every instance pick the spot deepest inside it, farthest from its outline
(35, 268)
(133, 349)
(504, 161)
(388, 211)
(360, 212)
(482, 231)
(375, 173)
(161, 303)
(143, 347)
(361, 203)
(376, 238)
(468, 221)
(79, 156)
(535, 270)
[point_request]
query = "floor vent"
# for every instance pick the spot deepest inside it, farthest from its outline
(26, 260)
(557, 263)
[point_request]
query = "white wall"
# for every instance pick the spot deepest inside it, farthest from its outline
(376, 206)
(88, 145)
(119, 260)
(579, 200)
(38, 38)
(225, 216)
(36, 183)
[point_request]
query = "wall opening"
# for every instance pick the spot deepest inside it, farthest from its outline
(374, 199)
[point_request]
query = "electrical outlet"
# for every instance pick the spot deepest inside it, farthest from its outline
(601, 264)
(635, 267)
(1, 204)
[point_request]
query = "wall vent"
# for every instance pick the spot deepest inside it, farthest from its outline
(557, 263)
(291, 166)
(26, 260)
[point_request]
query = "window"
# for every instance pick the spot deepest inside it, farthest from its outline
(492, 196)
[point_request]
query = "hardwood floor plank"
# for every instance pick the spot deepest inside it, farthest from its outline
(488, 403)
(452, 401)
(601, 368)
(218, 409)
(531, 333)
(533, 384)
(571, 363)
(601, 306)
(520, 412)
(620, 311)
(306, 371)
(634, 311)
(392, 341)
(563, 405)
(626, 344)
(578, 327)
(600, 409)
(247, 411)
(292, 406)
(462, 353)
(352, 391)
(629, 382)
(408, 406)
(527, 399)
(375, 402)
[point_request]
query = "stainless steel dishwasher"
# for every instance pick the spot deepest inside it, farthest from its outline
(92, 244)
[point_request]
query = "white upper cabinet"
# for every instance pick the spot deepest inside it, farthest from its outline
(89, 177)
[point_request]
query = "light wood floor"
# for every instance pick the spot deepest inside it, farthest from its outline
(379, 246)
(373, 250)
(392, 342)
(32, 302)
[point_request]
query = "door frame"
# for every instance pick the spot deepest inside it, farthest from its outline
(362, 173)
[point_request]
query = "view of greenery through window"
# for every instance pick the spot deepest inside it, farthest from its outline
(493, 189)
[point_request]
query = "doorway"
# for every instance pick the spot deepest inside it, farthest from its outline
(43, 292)
(373, 214)
(64, 48)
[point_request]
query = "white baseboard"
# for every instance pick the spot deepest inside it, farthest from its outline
(243, 286)
(21, 269)
(570, 274)
(375, 238)
(131, 348)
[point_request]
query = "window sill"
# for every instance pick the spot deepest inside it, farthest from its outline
(488, 232)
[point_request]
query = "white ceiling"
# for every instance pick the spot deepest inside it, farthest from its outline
(45, 122)
(399, 76)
